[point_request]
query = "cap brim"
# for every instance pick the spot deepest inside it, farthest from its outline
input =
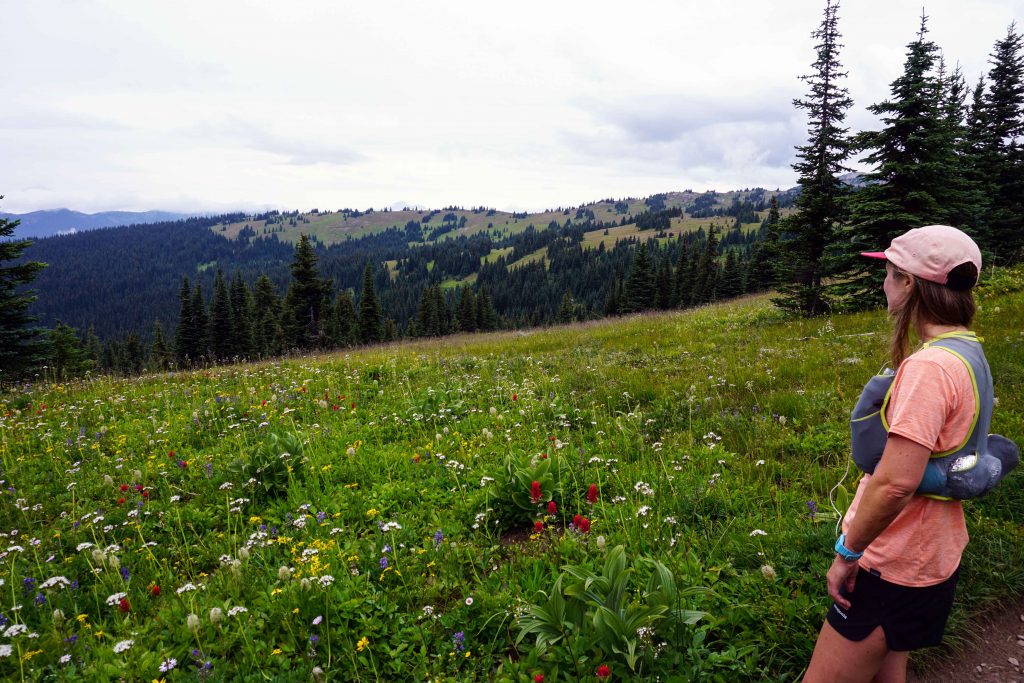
(874, 254)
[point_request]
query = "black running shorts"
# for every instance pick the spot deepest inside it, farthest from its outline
(911, 618)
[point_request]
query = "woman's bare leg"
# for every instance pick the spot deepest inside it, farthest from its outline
(838, 660)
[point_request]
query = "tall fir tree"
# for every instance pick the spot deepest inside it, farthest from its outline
(765, 252)
(639, 294)
(730, 284)
(199, 326)
(66, 357)
(821, 205)
(241, 317)
(220, 332)
(343, 320)
(184, 344)
(913, 160)
(486, 318)
(1004, 148)
(663, 283)
(268, 335)
(22, 347)
(371, 329)
(304, 319)
(705, 279)
(160, 352)
(466, 312)
(682, 285)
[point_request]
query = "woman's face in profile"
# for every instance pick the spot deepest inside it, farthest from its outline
(896, 288)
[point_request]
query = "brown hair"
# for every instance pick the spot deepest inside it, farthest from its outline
(929, 302)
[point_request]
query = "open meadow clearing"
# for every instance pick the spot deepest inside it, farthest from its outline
(646, 498)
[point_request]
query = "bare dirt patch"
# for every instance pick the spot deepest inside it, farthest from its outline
(995, 652)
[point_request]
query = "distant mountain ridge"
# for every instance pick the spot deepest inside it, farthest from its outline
(60, 221)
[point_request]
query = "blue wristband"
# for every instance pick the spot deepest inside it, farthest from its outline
(845, 552)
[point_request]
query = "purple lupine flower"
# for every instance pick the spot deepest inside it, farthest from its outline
(40, 599)
(813, 507)
(459, 640)
(125, 574)
(321, 516)
(438, 538)
(314, 639)
(383, 563)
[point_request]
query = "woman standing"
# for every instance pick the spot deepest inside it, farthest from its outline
(896, 564)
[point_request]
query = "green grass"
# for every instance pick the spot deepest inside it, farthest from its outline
(697, 428)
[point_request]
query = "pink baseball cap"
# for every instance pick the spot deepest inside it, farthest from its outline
(931, 252)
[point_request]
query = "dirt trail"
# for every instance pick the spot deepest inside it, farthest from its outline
(995, 653)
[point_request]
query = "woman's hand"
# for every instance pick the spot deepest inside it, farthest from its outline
(841, 575)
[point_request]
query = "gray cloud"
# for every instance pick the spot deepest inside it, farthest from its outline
(298, 151)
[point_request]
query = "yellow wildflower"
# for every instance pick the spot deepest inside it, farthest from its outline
(276, 651)
(276, 591)
(30, 654)
(362, 644)
(295, 611)
(82, 617)
(371, 513)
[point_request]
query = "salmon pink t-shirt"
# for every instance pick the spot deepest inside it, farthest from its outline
(932, 404)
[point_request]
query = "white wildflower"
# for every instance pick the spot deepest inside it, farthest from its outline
(123, 646)
(758, 532)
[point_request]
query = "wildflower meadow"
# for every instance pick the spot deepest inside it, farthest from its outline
(650, 498)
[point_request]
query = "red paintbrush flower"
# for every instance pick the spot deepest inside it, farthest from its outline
(584, 525)
(603, 671)
(123, 487)
(592, 494)
(535, 493)
(154, 591)
(124, 605)
(538, 526)
(552, 508)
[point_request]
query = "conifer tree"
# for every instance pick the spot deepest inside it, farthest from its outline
(486, 318)
(1003, 160)
(268, 335)
(639, 293)
(371, 328)
(821, 206)
(567, 310)
(220, 332)
(66, 355)
(705, 280)
(241, 317)
(93, 348)
(21, 346)
(161, 353)
(767, 267)
(184, 338)
(663, 284)
(731, 282)
(344, 319)
(683, 284)
(304, 320)
(426, 314)
(198, 326)
(467, 310)
(912, 157)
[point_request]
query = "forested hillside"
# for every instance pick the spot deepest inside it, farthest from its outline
(119, 282)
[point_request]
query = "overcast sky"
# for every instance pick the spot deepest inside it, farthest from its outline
(213, 105)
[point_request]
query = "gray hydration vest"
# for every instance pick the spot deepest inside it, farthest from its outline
(968, 471)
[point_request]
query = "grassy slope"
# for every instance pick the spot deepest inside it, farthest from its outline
(333, 227)
(735, 417)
